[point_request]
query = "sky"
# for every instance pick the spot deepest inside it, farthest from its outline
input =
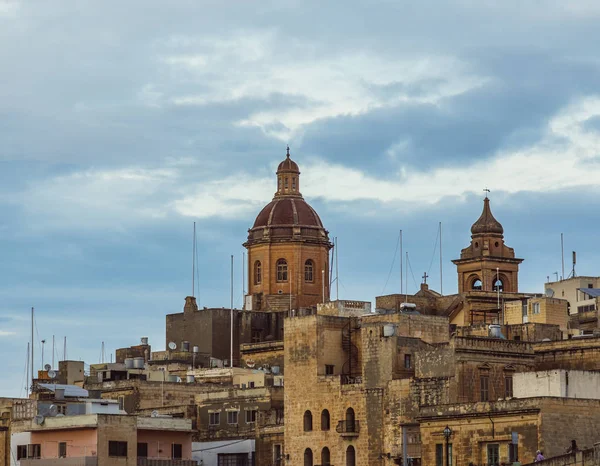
(123, 123)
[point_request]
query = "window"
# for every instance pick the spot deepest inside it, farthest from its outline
(484, 385)
(232, 417)
(325, 461)
(590, 285)
(142, 450)
(62, 449)
(513, 453)
(325, 420)
(449, 454)
(282, 270)
(407, 361)
(498, 285)
(251, 416)
(308, 457)
(21, 451)
(307, 421)
(535, 308)
(350, 424)
(508, 386)
(294, 183)
(34, 450)
(257, 273)
(439, 454)
(214, 419)
(476, 286)
(277, 456)
(116, 448)
(251, 384)
(279, 183)
(286, 183)
(233, 459)
(121, 403)
(350, 456)
(493, 454)
(176, 451)
(329, 369)
(308, 271)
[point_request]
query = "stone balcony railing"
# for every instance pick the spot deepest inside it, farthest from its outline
(348, 428)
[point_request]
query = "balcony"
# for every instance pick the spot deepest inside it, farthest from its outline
(72, 461)
(348, 428)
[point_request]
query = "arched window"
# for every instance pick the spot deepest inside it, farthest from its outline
(325, 461)
(498, 285)
(286, 183)
(325, 422)
(350, 456)
(279, 183)
(477, 286)
(309, 267)
(282, 270)
(294, 183)
(350, 424)
(308, 457)
(257, 273)
(307, 421)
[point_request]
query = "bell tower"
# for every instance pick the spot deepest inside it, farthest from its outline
(487, 263)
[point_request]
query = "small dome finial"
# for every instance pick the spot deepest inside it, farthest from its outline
(486, 191)
(288, 151)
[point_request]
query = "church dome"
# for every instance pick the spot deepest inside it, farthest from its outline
(288, 216)
(486, 223)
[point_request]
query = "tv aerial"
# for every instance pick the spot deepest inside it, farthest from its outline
(172, 346)
(47, 367)
(549, 293)
(39, 419)
(51, 374)
(52, 410)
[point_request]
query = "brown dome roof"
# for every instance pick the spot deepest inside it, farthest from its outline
(486, 223)
(287, 211)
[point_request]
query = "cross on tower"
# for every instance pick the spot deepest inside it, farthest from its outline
(425, 277)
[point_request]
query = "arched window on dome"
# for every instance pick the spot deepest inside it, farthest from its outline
(309, 268)
(282, 270)
(294, 183)
(257, 273)
(286, 183)
(279, 183)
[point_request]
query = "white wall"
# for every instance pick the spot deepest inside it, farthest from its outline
(206, 453)
(21, 438)
(561, 383)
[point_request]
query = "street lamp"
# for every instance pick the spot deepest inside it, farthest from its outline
(447, 434)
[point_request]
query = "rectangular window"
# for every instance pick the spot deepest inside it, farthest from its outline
(251, 416)
(508, 386)
(233, 459)
(232, 417)
(535, 308)
(177, 451)
(122, 403)
(484, 385)
(449, 454)
(513, 453)
(251, 384)
(407, 361)
(493, 454)
(329, 369)
(439, 454)
(62, 449)
(142, 450)
(21, 451)
(34, 450)
(214, 419)
(116, 448)
(277, 455)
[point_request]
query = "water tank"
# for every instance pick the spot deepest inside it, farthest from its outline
(408, 306)
(195, 349)
(144, 341)
(185, 346)
(190, 379)
(128, 363)
(138, 363)
(495, 331)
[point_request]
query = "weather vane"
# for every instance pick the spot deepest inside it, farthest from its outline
(486, 191)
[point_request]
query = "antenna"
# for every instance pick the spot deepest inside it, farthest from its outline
(27, 369)
(65, 350)
(406, 280)
(38, 419)
(337, 272)
(243, 277)
(441, 269)
(52, 411)
(231, 324)
(32, 313)
(52, 350)
(43, 343)
(194, 262)
(51, 373)
(401, 284)
(172, 345)
(574, 262)
(562, 256)
(47, 367)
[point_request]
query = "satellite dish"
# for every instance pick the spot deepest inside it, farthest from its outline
(154, 413)
(550, 293)
(39, 419)
(52, 410)
(51, 374)
(172, 345)
(47, 367)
